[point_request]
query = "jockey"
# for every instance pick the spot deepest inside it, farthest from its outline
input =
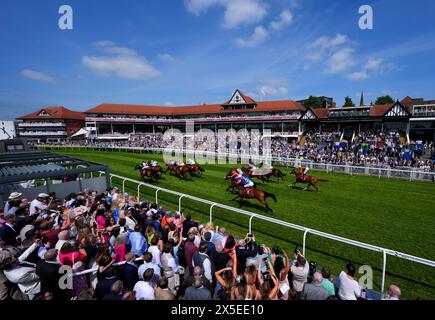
(145, 165)
(244, 181)
(180, 163)
(251, 166)
(190, 162)
(172, 162)
(304, 171)
(153, 163)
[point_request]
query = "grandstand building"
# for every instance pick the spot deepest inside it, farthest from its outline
(422, 122)
(413, 118)
(239, 112)
(50, 124)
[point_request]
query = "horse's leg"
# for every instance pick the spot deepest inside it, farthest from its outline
(315, 187)
(240, 201)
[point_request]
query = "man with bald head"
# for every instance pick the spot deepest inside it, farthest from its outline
(314, 290)
(393, 293)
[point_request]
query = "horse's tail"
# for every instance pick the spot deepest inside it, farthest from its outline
(271, 195)
(322, 180)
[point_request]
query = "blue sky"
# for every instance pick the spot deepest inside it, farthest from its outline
(176, 52)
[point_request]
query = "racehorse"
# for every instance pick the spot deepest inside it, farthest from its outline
(250, 174)
(234, 186)
(258, 194)
(157, 171)
(300, 178)
(180, 172)
(195, 169)
(146, 173)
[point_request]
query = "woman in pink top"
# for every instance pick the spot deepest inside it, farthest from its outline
(120, 247)
(74, 258)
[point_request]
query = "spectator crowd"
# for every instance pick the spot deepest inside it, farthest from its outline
(120, 248)
(368, 148)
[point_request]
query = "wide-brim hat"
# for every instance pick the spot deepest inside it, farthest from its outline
(43, 195)
(15, 195)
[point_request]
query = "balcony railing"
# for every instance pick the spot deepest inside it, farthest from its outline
(42, 133)
(40, 124)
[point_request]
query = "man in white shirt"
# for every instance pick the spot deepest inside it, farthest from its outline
(38, 206)
(349, 288)
(155, 251)
(202, 260)
(148, 257)
(144, 290)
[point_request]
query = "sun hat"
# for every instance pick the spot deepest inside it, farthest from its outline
(43, 195)
(15, 195)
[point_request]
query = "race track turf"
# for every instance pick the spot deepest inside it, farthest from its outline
(395, 214)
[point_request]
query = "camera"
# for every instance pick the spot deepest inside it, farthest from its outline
(296, 251)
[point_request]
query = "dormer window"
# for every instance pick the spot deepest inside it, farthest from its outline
(44, 113)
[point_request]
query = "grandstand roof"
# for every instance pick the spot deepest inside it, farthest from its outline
(263, 106)
(375, 111)
(50, 113)
(23, 166)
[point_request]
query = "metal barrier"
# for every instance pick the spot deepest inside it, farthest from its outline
(411, 174)
(305, 230)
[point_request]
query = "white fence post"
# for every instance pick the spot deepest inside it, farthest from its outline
(179, 202)
(304, 241)
(250, 222)
(123, 186)
(211, 212)
(384, 268)
(157, 191)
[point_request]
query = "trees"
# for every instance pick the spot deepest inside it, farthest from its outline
(348, 102)
(313, 102)
(384, 100)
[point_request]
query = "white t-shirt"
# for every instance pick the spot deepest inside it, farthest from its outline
(36, 204)
(144, 291)
(349, 289)
(154, 250)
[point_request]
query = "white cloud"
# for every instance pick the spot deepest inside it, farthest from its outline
(236, 12)
(284, 19)
(340, 61)
(166, 57)
(373, 67)
(373, 64)
(198, 7)
(259, 36)
(264, 91)
(122, 62)
(358, 76)
(330, 50)
(329, 42)
(36, 75)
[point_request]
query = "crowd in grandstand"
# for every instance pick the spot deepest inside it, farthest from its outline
(384, 149)
(139, 251)
(368, 148)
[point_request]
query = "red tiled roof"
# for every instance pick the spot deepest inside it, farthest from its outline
(59, 113)
(321, 113)
(407, 100)
(264, 106)
(379, 110)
